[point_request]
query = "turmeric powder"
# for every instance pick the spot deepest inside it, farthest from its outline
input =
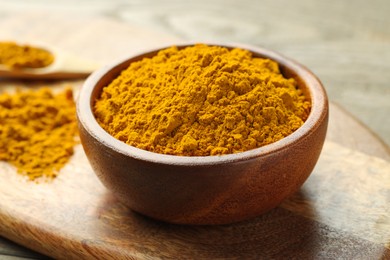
(16, 56)
(201, 100)
(37, 131)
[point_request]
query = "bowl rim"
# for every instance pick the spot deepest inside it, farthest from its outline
(318, 113)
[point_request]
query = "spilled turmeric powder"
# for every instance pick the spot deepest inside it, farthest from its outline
(201, 100)
(37, 131)
(16, 56)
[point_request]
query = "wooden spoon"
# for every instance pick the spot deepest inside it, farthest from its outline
(65, 66)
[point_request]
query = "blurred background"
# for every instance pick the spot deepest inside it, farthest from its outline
(346, 43)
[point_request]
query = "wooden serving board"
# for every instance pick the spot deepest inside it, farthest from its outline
(342, 211)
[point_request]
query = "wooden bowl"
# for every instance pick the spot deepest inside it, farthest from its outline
(211, 189)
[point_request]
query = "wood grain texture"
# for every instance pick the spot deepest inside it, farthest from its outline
(341, 211)
(75, 217)
(207, 190)
(329, 241)
(346, 44)
(348, 131)
(15, 251)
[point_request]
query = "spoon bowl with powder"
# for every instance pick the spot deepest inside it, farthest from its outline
(24, 61)
(200, 181)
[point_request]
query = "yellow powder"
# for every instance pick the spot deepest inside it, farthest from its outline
(17, 56)
(37, 131)
(201, 100)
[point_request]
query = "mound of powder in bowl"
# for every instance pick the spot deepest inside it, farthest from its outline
(201, 100)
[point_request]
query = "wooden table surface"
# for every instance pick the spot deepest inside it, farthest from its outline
(344, 129)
